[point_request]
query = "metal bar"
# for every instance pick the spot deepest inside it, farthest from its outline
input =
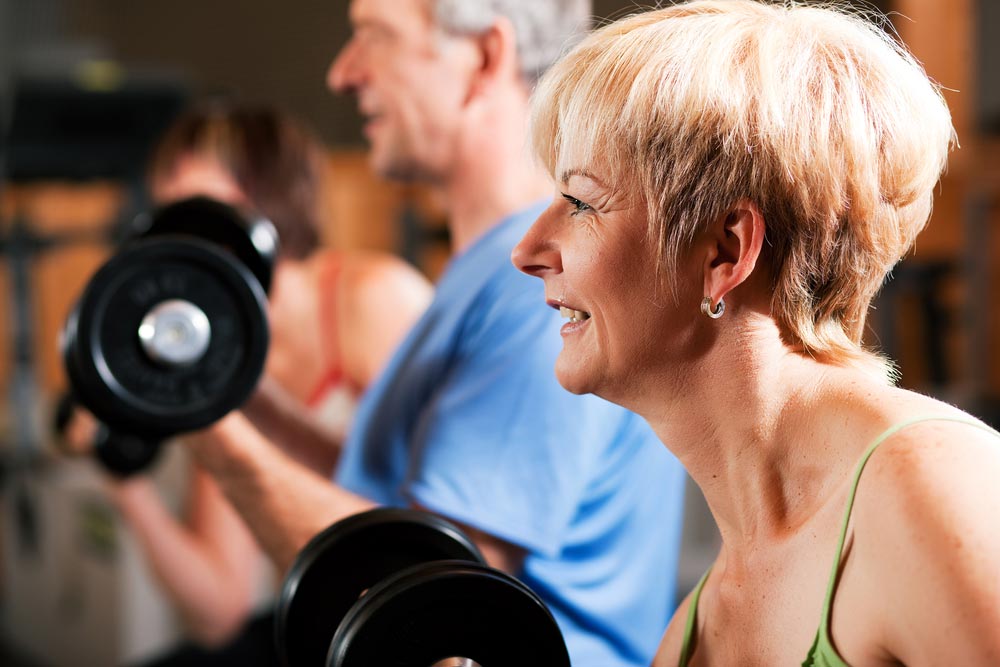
(976, 312)
(24, 387)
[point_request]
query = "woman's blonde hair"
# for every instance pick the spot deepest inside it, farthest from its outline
(816, 115)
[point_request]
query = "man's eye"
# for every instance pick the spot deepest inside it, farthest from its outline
(578, 206)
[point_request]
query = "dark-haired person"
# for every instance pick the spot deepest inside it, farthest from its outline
(335, 317)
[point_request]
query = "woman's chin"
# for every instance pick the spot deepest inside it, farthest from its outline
(573, 381)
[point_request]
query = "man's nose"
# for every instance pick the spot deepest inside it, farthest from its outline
(342, 76)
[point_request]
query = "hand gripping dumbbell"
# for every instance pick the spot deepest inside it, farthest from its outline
(171, 333)
(408, 589)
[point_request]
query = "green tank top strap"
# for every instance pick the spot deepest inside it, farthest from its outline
(822, 653)
(692, 617)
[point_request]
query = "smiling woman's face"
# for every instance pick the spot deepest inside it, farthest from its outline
(591, 248)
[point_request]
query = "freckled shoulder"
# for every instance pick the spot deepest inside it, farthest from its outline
(924, 528)
(922, 463)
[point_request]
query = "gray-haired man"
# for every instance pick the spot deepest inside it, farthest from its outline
(468, 420)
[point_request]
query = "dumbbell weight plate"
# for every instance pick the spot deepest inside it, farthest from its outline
(124, 454)
(345, 560)
(119, 377)
(436, 613)
(250, 237)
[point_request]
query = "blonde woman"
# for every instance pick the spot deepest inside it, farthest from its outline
(735, 181)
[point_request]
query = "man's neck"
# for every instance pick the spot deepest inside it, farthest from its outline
(475, 209)
(494, 175)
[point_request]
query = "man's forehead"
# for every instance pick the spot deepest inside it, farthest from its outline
(389, 11)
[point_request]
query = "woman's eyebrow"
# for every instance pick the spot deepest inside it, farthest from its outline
(569, 173)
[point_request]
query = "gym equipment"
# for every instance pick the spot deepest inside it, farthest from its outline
(248, 236)
(121, 454)
(124, 454)
(449, 613)
(408, 588)
(343, 561)
(171, 333)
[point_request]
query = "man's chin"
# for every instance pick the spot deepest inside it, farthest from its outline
(396, 166)
(383, 167)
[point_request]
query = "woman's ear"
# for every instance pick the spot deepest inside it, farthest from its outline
(735, 241)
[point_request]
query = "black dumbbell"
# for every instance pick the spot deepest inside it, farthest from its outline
(121, 454)
(245, 234)
(171, 333)
(124, 454)
(407, 588)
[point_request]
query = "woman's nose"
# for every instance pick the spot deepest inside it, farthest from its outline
(538, 254)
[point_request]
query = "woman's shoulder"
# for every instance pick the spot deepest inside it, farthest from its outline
(365, 277)
(924, 520)
(919, 430)
(924, 450)
(671, 645)
(365, 264)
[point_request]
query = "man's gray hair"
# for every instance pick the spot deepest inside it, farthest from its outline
(544, 29)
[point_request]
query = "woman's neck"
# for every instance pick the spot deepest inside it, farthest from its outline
(761, 435)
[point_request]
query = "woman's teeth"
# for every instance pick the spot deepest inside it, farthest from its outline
(573, 315)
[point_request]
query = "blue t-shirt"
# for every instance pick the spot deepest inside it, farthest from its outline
(469, 421)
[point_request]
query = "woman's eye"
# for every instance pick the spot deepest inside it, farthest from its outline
(578, 206)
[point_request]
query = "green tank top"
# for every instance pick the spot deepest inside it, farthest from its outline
(822, 653)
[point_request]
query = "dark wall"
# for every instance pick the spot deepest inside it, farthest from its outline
(259, 49)
(988, 65)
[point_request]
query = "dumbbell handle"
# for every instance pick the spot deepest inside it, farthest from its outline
(124, 454)
(78, 433)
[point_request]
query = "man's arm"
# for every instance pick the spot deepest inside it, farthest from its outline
(499, 553)
(286, 504)
(283, 502)
(285, 421)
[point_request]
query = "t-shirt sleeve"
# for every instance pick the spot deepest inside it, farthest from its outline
(503, 447)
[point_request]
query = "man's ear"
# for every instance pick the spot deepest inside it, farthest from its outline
(735, 241)
(497, 49)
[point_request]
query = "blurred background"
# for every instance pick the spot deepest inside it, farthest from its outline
(87, 85)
